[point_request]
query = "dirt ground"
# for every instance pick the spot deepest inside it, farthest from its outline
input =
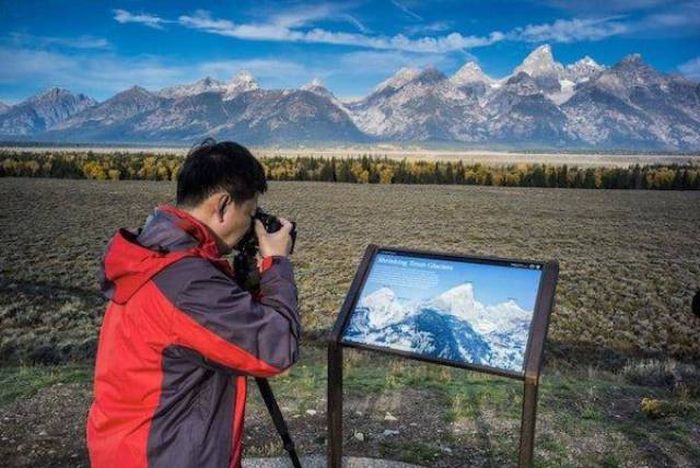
(410, 412)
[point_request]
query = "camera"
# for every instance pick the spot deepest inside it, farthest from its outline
(245, 265)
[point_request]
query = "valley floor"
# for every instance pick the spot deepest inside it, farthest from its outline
(403, 410)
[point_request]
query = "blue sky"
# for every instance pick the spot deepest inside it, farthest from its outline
(493, 284)
(103, 47)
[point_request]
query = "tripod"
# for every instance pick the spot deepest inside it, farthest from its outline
(277, 418)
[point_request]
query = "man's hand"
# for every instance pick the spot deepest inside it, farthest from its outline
(276, 243)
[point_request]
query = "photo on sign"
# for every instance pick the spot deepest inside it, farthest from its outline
(449, 309)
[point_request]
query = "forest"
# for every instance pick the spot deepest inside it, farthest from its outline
(362, 169)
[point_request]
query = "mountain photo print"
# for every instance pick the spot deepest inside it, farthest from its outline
(467, 313)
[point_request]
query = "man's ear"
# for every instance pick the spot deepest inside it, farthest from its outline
(224, 200)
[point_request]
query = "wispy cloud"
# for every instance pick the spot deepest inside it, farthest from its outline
(436, 26)
(81, 42)
(606, 6)
(691, 69)
(647, 18)
(277, 30)
(406, 10)
(297, 25)
(589, 29)
(355, 22)
(107, 74)
(681, 15)
(387, 62)
(152, 21)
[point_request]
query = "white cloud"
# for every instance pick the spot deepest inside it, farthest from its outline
(260, 68)
(691, 69)
(372, 62)
(599, 6)
(296, 25)
(589, 29)
(645, 18)
(303, 16)
(152, 21)
(436, 26)
(405, 9)
(355, 22)
(81, 42)
(684, 15)
(103, 76)
(276, 31)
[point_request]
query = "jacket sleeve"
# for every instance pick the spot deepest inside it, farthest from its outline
(215, 317)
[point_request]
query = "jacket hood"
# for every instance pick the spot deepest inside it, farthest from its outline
(132, 257)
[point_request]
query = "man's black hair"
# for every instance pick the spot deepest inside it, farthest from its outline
(226, 166)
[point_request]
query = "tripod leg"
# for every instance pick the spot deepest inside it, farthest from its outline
(278, 419)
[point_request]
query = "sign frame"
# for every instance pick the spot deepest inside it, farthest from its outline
(532, 363)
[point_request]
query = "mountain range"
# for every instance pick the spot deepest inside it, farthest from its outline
(453, 326)
(541, 104)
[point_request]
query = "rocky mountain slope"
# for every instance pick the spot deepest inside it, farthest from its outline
(543, 103)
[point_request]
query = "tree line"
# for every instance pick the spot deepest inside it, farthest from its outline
(363, 169)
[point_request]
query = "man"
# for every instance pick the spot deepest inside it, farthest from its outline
(180, 336)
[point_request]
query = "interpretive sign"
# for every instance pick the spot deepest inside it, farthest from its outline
(480, 313)
(448, 309)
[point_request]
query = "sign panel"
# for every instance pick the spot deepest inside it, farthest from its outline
(468, 312)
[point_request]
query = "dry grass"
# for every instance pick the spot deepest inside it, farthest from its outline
(630, 260)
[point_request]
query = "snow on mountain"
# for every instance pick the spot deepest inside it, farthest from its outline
(461, 303)
(470, 73)
(417, 105)
(555, 80)
(204, 85)
(383, 308)
(241, 83)
(316, 87)
(471, 79)
(633, 105)
(396, 81)
(115, 110)
(582, 70)
(453, 325)
(542, 104)
(540, 62)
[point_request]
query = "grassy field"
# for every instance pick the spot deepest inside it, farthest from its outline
(630, 262)
(402, 410)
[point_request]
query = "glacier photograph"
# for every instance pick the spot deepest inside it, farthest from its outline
(468, 313)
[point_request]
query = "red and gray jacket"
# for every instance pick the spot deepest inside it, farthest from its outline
(178, 339)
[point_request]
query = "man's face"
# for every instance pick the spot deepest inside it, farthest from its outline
(237, 219)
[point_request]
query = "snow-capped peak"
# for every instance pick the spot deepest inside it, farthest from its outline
(470, 73)
(400, 78)
(460, 301)
(383, 308)
(632, 59)
(204, 85)
(583, 70)
(315, 83)
(540, 62)
(245, 79)
(241, 83)
(588, 62)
